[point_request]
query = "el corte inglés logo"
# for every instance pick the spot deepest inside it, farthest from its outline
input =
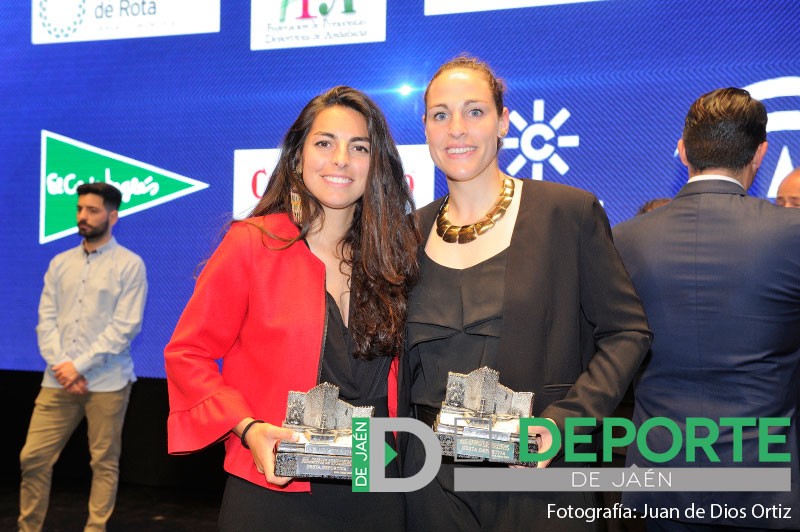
(67, 163)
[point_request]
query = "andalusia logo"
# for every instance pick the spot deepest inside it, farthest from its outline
(67, 163)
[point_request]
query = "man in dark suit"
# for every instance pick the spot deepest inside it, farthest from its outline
(718, 273)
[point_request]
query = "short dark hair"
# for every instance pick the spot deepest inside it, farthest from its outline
(112, 197)
(723, 129)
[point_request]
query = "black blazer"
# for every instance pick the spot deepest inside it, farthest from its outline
(574, 331)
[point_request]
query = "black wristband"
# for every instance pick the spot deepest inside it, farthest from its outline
(244, 432)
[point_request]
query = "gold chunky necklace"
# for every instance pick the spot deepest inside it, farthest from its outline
(467, 233)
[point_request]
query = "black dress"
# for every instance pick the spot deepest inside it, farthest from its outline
(454, 323)
(331, 504)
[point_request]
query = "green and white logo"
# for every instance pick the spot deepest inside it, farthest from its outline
(67, 163)
(62, 21)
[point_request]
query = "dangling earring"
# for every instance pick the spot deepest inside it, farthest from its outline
(297, 208)
(294, 197)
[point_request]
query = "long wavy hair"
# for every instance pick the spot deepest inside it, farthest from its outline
(381, 244)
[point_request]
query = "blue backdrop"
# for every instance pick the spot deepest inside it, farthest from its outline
(612, 79)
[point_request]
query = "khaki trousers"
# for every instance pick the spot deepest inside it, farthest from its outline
(55, 415)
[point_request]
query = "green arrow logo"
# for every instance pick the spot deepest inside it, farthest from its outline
(67, 163)
(389, 454)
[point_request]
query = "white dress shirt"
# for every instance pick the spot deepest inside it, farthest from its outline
(90, 310)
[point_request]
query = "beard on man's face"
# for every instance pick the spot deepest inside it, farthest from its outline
(92, 232)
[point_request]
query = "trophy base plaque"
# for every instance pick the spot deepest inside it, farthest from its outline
(323, 424)
(472, 449)
(299, 460)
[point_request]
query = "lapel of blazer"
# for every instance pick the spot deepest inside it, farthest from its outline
(518, 364)
(425, 217)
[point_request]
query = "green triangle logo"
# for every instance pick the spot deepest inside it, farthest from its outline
(67, 163)
(389, 454)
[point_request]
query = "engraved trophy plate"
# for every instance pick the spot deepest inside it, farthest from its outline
(324, 423)
(479, 419)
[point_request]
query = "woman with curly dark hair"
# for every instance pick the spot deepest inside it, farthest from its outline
(311, 288)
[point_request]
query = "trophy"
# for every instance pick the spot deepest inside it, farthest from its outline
(324, 423)
(479, 419)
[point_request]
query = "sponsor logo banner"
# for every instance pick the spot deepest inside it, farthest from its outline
(57, 21)
(252, 169)
(300, 23)
(446, 7)
(419, 169)
(539, 141)
(68, 163)
(786, 144)
(251, 172)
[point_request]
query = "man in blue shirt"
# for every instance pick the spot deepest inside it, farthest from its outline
(90, 310)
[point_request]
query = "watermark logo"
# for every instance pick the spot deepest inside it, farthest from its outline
(692, 438)
(67, 163)
(371, 454)
(302, 23)
(57, 21)
(538, 141)
(252, 169)
(446, 7)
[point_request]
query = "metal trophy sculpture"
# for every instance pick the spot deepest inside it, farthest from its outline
(324, 423)
(479, 418)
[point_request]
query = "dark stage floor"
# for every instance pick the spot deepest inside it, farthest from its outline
(139, 508)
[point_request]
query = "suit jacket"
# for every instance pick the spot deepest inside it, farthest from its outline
(260, 309)
(719, 276)
(574, 331)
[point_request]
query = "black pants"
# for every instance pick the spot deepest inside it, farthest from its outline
(438, 507)
(668, 525)
(331, 506)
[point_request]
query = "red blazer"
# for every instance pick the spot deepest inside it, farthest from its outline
(261, 310)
